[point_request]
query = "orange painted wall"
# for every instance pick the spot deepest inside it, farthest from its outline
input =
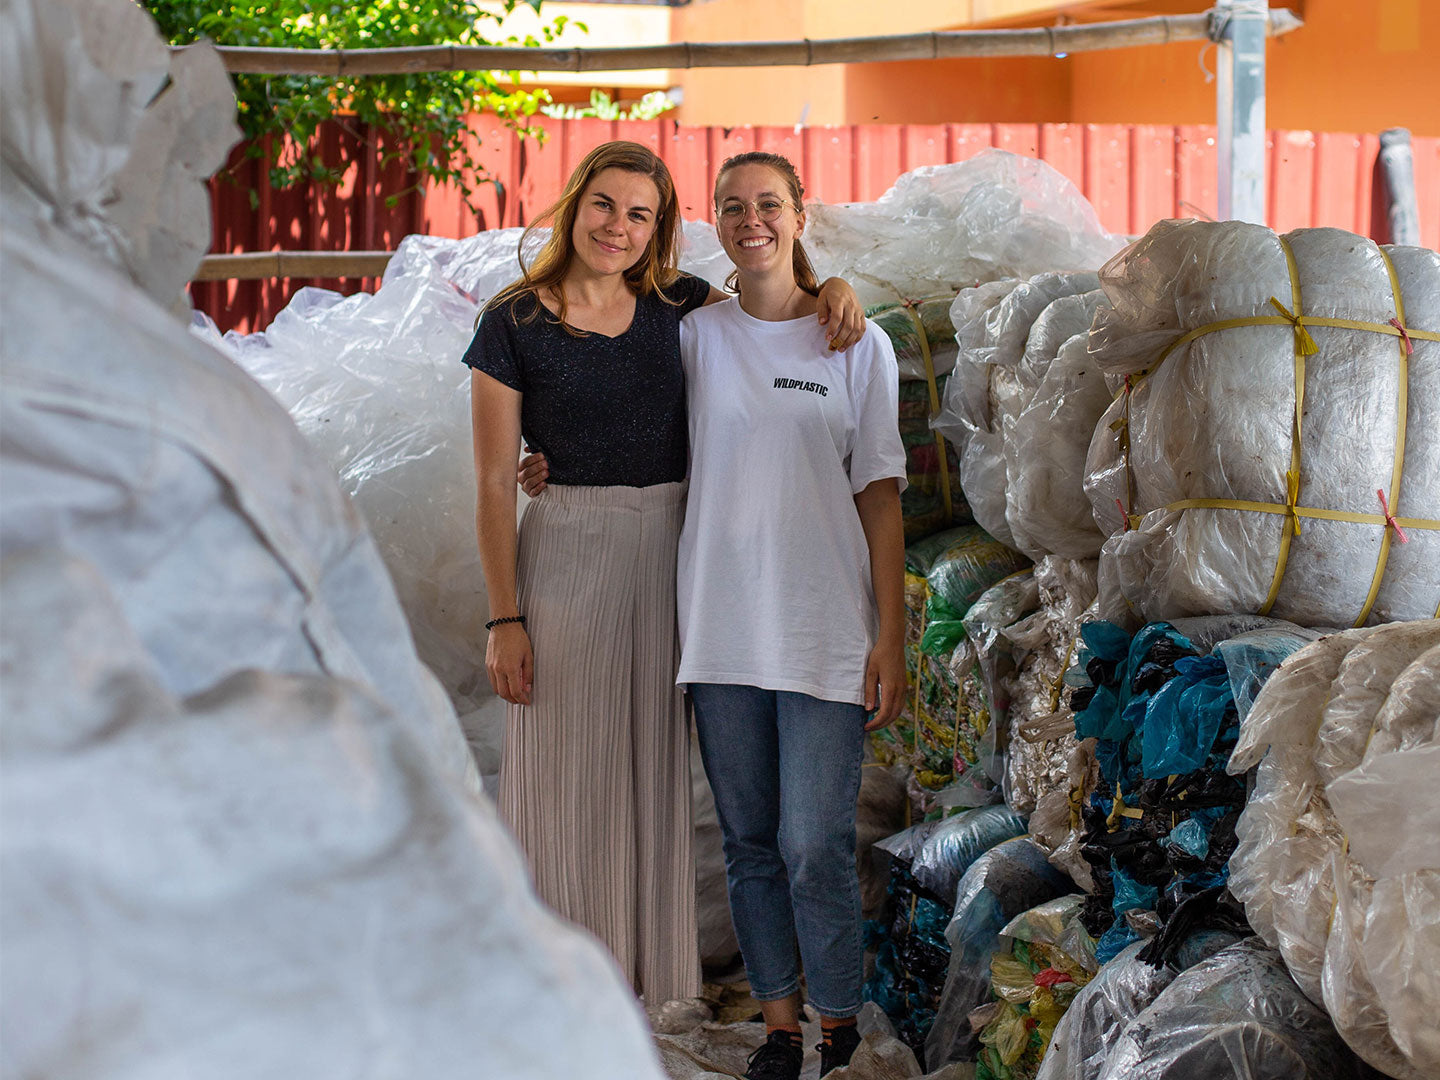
(1357, 65)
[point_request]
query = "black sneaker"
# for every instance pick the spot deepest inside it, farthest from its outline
(842, 1044)
(778, 1058)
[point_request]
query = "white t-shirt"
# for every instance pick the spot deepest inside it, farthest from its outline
(774, 579)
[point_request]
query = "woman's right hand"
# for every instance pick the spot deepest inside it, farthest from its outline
(510, 663)
(532, 473)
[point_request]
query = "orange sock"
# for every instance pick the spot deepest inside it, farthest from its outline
(829, 1024)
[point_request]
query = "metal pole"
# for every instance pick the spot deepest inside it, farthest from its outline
(1399, 166)
(1239, 33)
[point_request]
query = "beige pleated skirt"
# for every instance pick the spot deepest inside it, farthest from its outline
(595, 778)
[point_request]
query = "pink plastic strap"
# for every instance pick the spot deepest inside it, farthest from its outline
(1124, 517)
(1404, 336)
(1390, 518)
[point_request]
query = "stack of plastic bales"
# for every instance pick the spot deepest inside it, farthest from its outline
(925, 348)
(943, 732)
(1241, 402)
(1159, 829)
(1024, 479)
(1339, 863)
(912, 950)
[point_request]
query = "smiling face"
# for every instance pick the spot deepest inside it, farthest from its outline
(615, 221)
(757, 247)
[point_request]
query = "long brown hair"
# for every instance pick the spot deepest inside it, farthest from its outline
(804, 272)
(651, 273)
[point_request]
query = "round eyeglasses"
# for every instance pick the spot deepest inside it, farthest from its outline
(766, 209)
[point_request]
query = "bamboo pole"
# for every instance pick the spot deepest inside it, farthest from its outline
(262, 265)
(937, 45)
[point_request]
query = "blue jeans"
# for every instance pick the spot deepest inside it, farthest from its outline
(785, 768)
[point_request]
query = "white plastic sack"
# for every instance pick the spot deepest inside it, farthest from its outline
(1352, 726)
(1008, 337)
(942, 228)
(1214, 421)
(238, 812)
(1237, 1014)
(1045, 501)
(272, 877)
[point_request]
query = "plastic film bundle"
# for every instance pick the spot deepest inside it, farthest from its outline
(1274, 439)
(1022, 432)
(1337, 862)
(912, 950)
(942, 228)
(1236, 1014)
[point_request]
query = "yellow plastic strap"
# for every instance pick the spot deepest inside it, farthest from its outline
(1304, 343)
(911, 307)
(1119, 810)
(1298, 511)
(1392, 505)
(1304, 346)
(1398, 332)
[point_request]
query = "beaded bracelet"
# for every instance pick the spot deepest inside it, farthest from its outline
(507, 619)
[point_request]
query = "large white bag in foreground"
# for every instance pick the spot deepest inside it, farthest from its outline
(1338, 862)
(242, 836)
(1258, 459)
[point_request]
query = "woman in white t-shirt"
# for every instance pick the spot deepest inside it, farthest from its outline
(791, 602)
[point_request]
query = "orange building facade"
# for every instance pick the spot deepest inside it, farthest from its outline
(1356, 65)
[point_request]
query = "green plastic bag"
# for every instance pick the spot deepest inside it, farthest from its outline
(970, 562)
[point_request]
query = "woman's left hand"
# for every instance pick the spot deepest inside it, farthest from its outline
(885, 684)
(841, 313)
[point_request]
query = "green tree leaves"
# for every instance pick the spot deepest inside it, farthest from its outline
(420, 118)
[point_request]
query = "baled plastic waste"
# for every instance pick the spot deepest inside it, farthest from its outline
(1009, 336)
(239, 813)
(942, 228)
(1237, 1014)
(1337, 863)
(1010, 878)
(1269, 466)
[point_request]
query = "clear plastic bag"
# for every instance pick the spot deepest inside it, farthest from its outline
(242, 833)
(1047, 957)
(1337, 864)
(1101, 1011)
(1214, 420)
(941, 228)
(1008, 339)
(1046, 505)
(948, 850)
(1041, 723)
(1237, 1014)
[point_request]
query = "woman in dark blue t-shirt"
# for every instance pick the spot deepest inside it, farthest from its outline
(581, 357)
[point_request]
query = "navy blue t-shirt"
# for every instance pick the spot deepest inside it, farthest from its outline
(603, 410)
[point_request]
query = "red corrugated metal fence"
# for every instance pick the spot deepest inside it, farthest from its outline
(1135, 174)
